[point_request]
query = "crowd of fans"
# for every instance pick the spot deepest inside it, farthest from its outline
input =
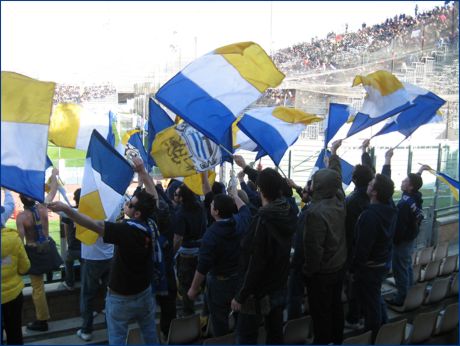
(79, 94)
(428, 29)
(233, 246)
(278, 97)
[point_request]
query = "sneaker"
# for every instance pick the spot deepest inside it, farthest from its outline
(84, 336)
(38, 326)
(66, 286)
(354, 326)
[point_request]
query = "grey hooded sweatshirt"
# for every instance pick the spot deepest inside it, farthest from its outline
(324, 233)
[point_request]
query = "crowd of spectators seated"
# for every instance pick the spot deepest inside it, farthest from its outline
(427, 29)
(80, 94)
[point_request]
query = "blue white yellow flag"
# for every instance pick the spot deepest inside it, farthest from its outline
(181, 151)
(426, 104)
(450, 182)
(106, 177)
(26, 111)
(386, 96)
(347, 168)
(213, 90)
(71, 125)
(338, 116)
(158, 121)
(275, 129)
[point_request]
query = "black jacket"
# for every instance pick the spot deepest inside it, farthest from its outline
(356, 203)
(266, 250)
(375, 230)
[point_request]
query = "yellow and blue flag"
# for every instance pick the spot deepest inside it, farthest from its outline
(26, 111)
(106, 177)
(181, 151)
(386, 96)
(134, 146)
(213, 90)
(275, 129)
(71, 125)
(450, 182)
(426, 105)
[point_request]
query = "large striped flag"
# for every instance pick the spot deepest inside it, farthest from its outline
(213, 90)
(26, 111)
(426, 105)
(71, 125)
(106, 177)
(275, 129)
(386, 96)
(181, 151)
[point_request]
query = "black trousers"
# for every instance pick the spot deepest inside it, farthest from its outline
(12, 321)
(324, 297)
(167, 310)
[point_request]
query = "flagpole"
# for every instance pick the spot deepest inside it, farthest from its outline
(399, 144)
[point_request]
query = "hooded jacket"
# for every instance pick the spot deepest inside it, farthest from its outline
(15, 263)
(374, 234)
(266, 250)
(324, 232)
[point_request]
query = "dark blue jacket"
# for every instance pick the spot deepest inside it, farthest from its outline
(220, 247)
(374, 230)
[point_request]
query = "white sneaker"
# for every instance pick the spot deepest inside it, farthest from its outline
(84, 336)
(65, 286)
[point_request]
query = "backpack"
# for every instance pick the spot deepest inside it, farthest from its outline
(163, 216)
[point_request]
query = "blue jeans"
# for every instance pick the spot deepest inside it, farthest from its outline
(94, 275)
(121, 309)
(368, 284)
(402, 268)
(247, 326)
(219, 294)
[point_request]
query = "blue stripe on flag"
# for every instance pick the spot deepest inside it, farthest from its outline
(411, 119)
(158, 121)
(29, 183)
(363, 121)
(197, 145)
(338, 115)
(106, 160)
(198, 108)
(265, 136)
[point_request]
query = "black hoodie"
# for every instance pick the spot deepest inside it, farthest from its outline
(375, 230)
(266, 250)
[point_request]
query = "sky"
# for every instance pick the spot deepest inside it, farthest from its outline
(128, 42)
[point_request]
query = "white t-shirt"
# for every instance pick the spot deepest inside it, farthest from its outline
(98, 251)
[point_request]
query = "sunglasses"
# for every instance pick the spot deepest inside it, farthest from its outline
(176, 194)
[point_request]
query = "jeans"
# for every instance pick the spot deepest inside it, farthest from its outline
(219, 294)
(368, 284)
(402, 269)
(72, 255)
(326, 308)
(121, 309)
(296, 292)
(186, 266)
(39, 297)
(94, 275)
(247, 326)
(12, 321)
